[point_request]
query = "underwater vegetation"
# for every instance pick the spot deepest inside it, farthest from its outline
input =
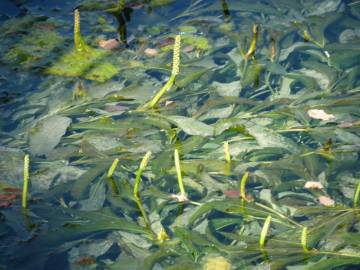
(193, 134)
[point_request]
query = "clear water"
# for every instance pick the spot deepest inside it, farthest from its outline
(277, 80)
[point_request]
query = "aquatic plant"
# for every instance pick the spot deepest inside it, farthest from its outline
(258, 207)
(178, 172)
(304, 237)
(252, 47)
(79, 42)
(174, 72)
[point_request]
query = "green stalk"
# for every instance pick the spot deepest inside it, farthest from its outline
(304, 235)
(264, 232)
(137, 199)
(162, 91)
(178, 171)
(139, 172)
(357, 195)
(26, 181)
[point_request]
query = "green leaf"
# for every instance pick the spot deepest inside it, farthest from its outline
(192, 126)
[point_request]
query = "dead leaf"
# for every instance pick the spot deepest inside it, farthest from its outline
(188, 48)
(151, 52)
(5, 204)
(345, 125)
(232, 193)
(169, 103)
(320, 114)
(326, 201)
(313, 185)
(12, 190)
(179, 197)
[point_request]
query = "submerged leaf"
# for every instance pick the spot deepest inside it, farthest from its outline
(47, 134)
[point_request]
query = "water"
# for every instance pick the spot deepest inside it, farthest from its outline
(264, 114)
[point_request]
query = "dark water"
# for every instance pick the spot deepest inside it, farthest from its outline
(277, 81)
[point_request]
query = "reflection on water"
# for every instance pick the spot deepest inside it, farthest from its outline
(193, 134)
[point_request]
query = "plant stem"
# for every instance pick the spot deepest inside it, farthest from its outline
(178, 171)
(26, 181)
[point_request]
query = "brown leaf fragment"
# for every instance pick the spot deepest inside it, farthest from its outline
(188, 49)
(7, 197)
(12, 190)
(109, 44)
(5, 204)
(232, 193)
(313, 185)
(345, 125)
(320, 114)
(179, 197)
(86, 260)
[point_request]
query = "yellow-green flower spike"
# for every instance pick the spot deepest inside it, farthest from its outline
(76, 28)
(178, 171)
(145, 160)
(264, 232)
(175, 71)
(227, 152)
(26, 181)
(79, 42)
(304, 235)
(113, 168)
(176, 56)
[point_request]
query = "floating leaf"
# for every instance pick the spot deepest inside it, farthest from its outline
(326, 201)
(192, 126)
(313, 185)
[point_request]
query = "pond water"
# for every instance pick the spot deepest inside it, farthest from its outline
(194, 134)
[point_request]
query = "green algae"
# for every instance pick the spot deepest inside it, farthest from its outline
(102, 72)
(160, 3)
(35, 46)
(20, 25)
(88, 64)
(200, 43)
